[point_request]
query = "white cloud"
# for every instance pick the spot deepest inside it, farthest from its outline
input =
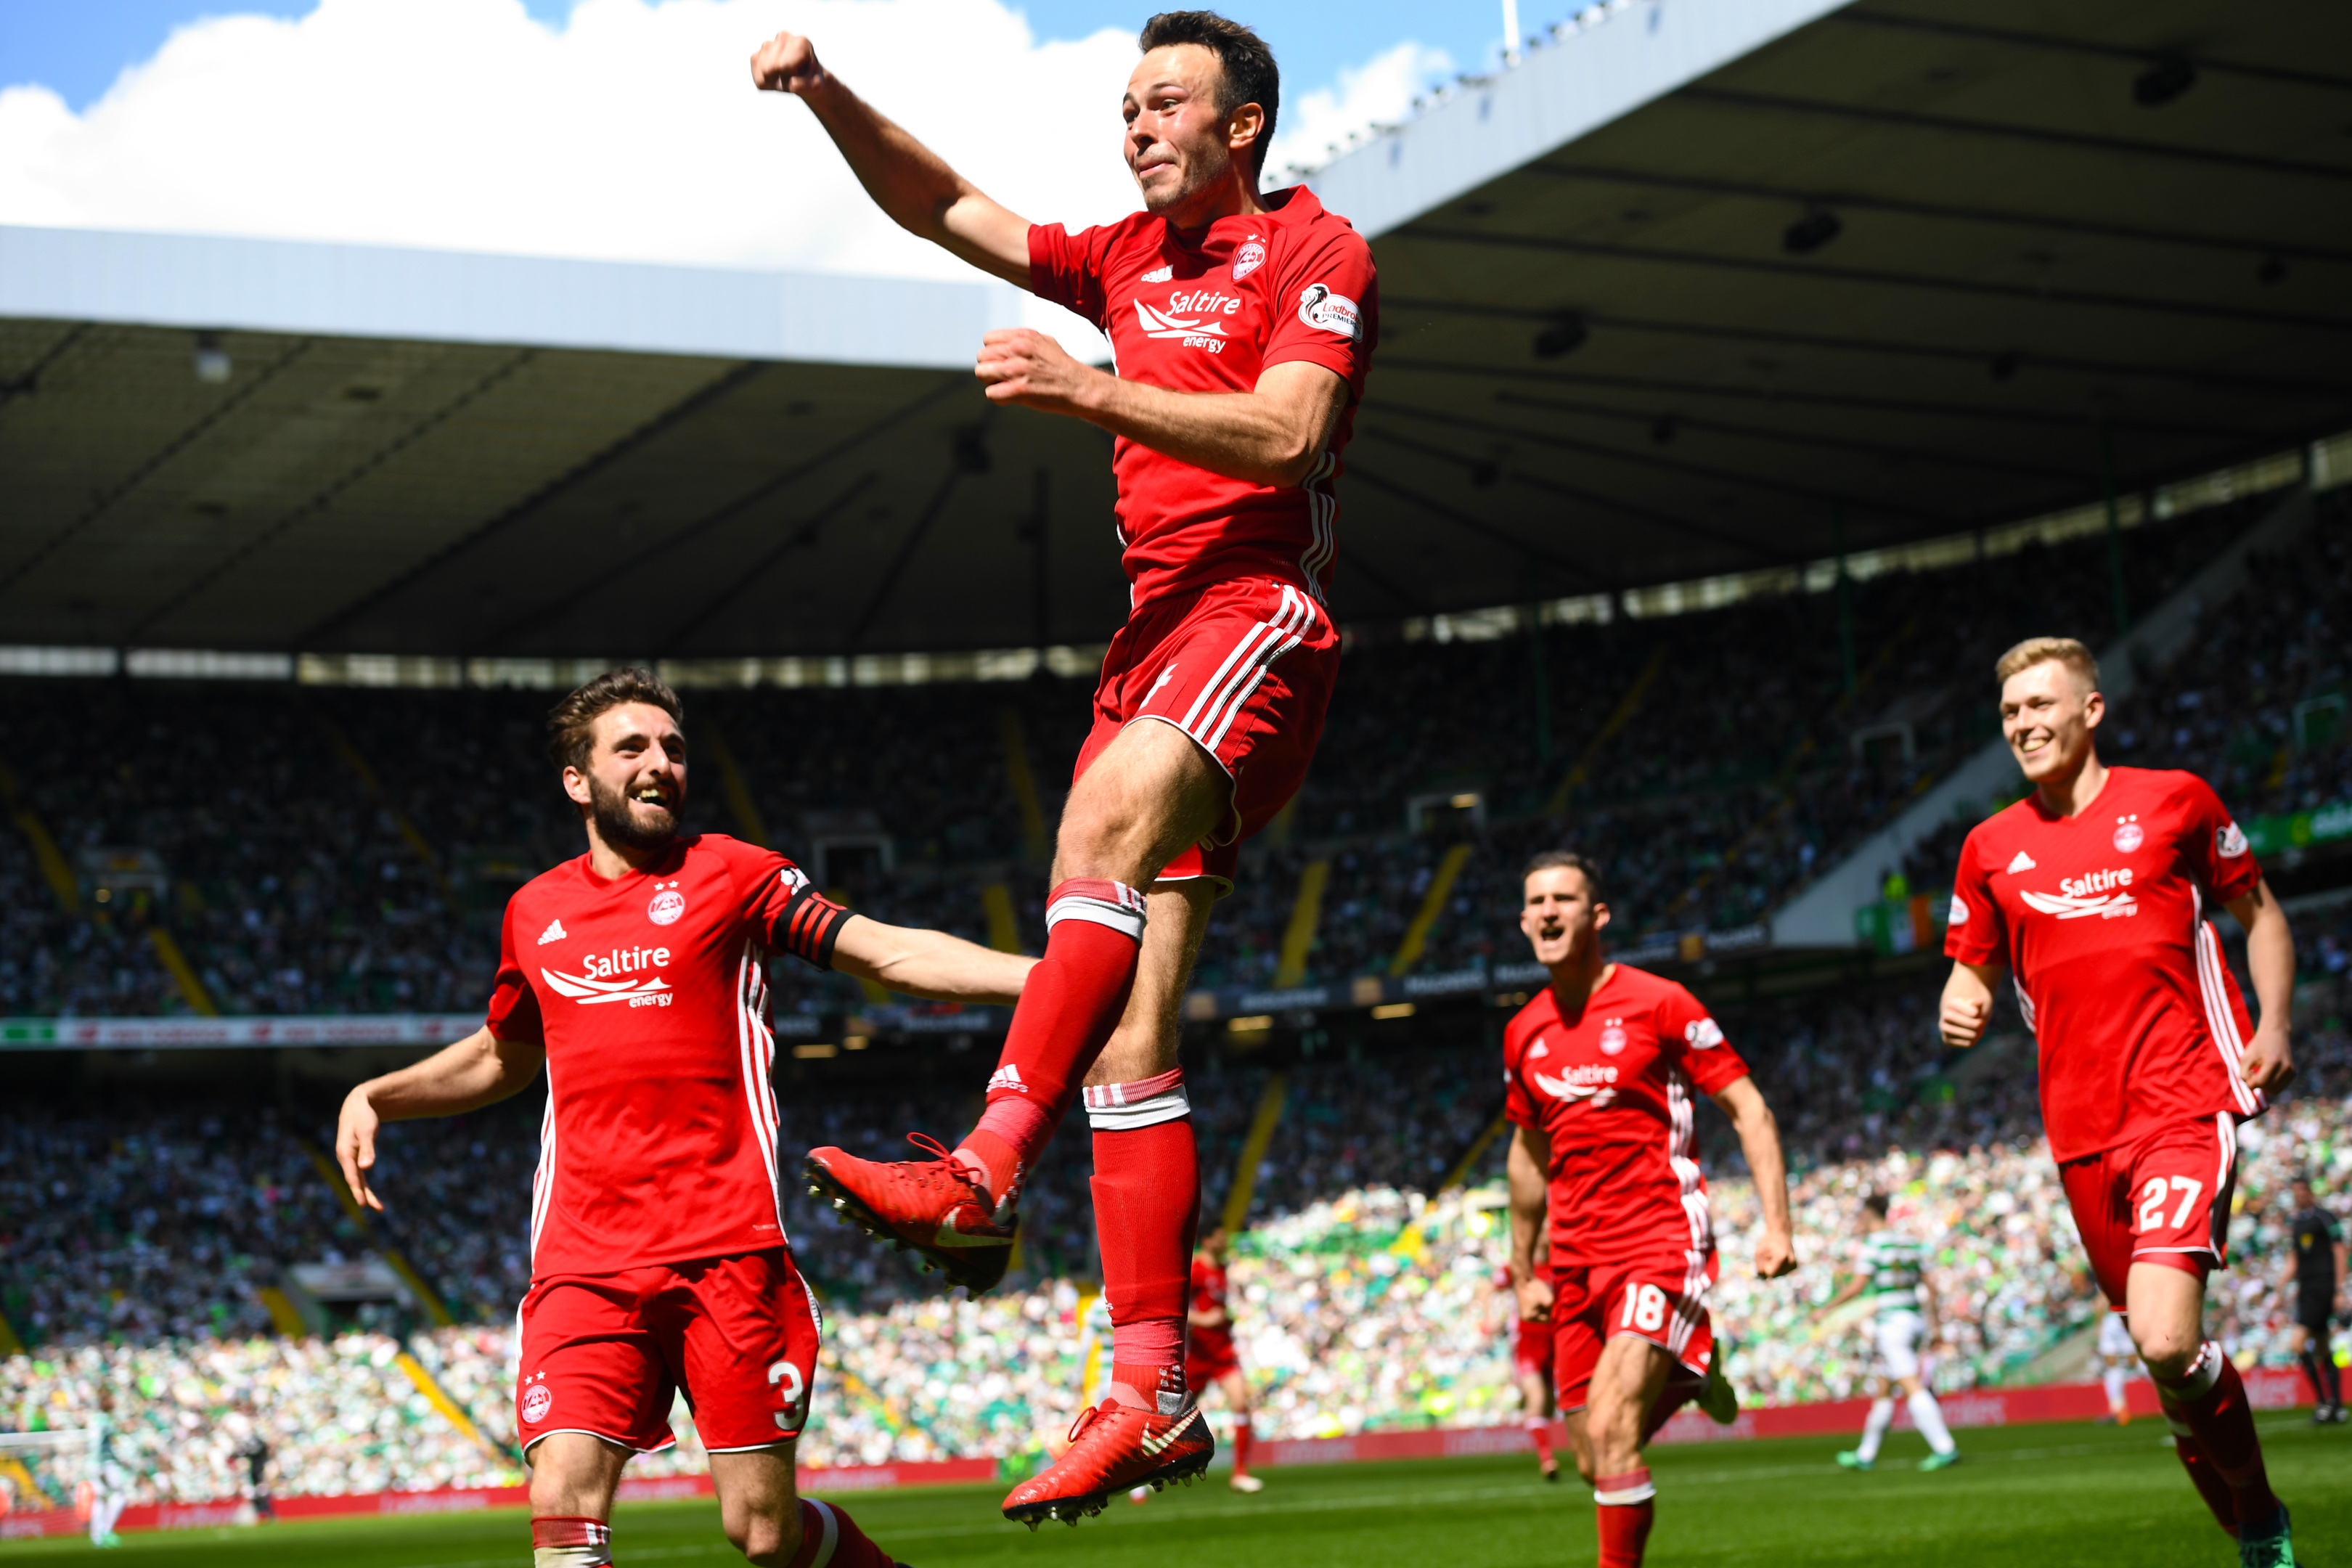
(631, 134)
(1379, 91)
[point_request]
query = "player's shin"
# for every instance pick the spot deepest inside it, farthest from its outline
(2209, 1399)
(1069, 1006)
(570, 1541)
(1928, 1416)
(831, 1539)
(1874, 1429)
(1147, 1191)
(1624, 1507)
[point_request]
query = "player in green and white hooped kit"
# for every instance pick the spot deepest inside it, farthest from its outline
(1891, 1271)
(110, 1479)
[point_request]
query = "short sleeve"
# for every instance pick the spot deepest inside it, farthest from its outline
(790, 915)
(1328, 309)
(1976, 931)
(514, 1015)
(1688, 1033)
(1518, 1106)
(1066, 267)
(2213, 846)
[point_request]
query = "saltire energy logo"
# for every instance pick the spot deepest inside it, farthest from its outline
(612, 978)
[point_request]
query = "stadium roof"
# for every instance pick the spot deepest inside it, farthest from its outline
(1691, 288)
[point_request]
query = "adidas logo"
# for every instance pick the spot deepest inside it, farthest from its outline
(1007, 1077)
(555, 933)
(2024, 862)
(1161, 275)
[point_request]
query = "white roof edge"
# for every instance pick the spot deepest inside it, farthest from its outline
(1616, 56)
(380, 291)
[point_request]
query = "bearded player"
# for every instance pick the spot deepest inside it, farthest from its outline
(1599, 1069)
(2092, 891)
(637, 975)
(1243, 325)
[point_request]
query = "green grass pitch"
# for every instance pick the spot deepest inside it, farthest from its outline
(2041, 1495)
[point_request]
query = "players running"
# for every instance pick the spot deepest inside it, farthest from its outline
(659, 1263)
(2316, 1272)
(1210, 1358)
(2117, 1356)
(1890, 1267)
(1599, 1072)
(2092, 891)
(1243, 323)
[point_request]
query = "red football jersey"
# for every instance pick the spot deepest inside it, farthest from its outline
(2101, 918)
(1208, 1295)
(649, 993)
(1210, 312)
(1612, 1085)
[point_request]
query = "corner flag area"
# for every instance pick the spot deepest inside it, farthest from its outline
(2049, 1495)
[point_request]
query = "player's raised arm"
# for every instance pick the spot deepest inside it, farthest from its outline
(1759, 1139)
(929, 962)
(1529, 1165)
(1968, 1003)
(907, 179)
(2270, 959)
(478, 1070)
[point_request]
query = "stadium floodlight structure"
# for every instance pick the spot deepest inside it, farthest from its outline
(1687, 289)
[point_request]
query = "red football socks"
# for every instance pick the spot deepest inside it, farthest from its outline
(831, 1539)
(570, 1541)
(1539, 1433)
(2212, 1402)
(1070, 1004)
(1241, 1435)
(1626, 1507)
(1147, 1188)
(2202, 1475)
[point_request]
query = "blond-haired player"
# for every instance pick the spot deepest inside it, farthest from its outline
(2092, 893)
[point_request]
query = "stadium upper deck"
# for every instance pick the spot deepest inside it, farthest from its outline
(1712, 288)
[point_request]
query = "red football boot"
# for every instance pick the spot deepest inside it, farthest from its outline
(933, 1206)
(1114, 1448)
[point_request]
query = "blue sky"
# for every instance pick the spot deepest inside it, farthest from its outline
(78, 48)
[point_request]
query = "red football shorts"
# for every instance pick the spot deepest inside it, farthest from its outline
(1245, 668)
(1661, 1300)
(1208, 1358)
(1532, 1347)
(603, 1352)
(2163, 1198)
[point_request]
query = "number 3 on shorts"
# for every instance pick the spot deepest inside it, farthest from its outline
(2152, 1196)
(788, 1419)
(1646, 1309)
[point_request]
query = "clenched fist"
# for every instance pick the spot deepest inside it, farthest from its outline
(786, 63)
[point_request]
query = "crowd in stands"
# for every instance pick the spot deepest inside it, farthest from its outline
(346, 850)
(1367, 1309)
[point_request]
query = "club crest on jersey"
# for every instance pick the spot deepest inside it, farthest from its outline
(1958, 913)
(2228, 842)
(1703, 1034)
(1248, 260)
(555, 933)
(2128, 835)
(666, 905)
(1612, 1040)
(536, 1403)
(1328, 312)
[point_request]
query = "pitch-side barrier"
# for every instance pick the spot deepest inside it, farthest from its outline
(2267, 1388)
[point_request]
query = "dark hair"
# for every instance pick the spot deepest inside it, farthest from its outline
(572, 723)
(1556, 859)
(1247, 65)
(1876, 1204)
